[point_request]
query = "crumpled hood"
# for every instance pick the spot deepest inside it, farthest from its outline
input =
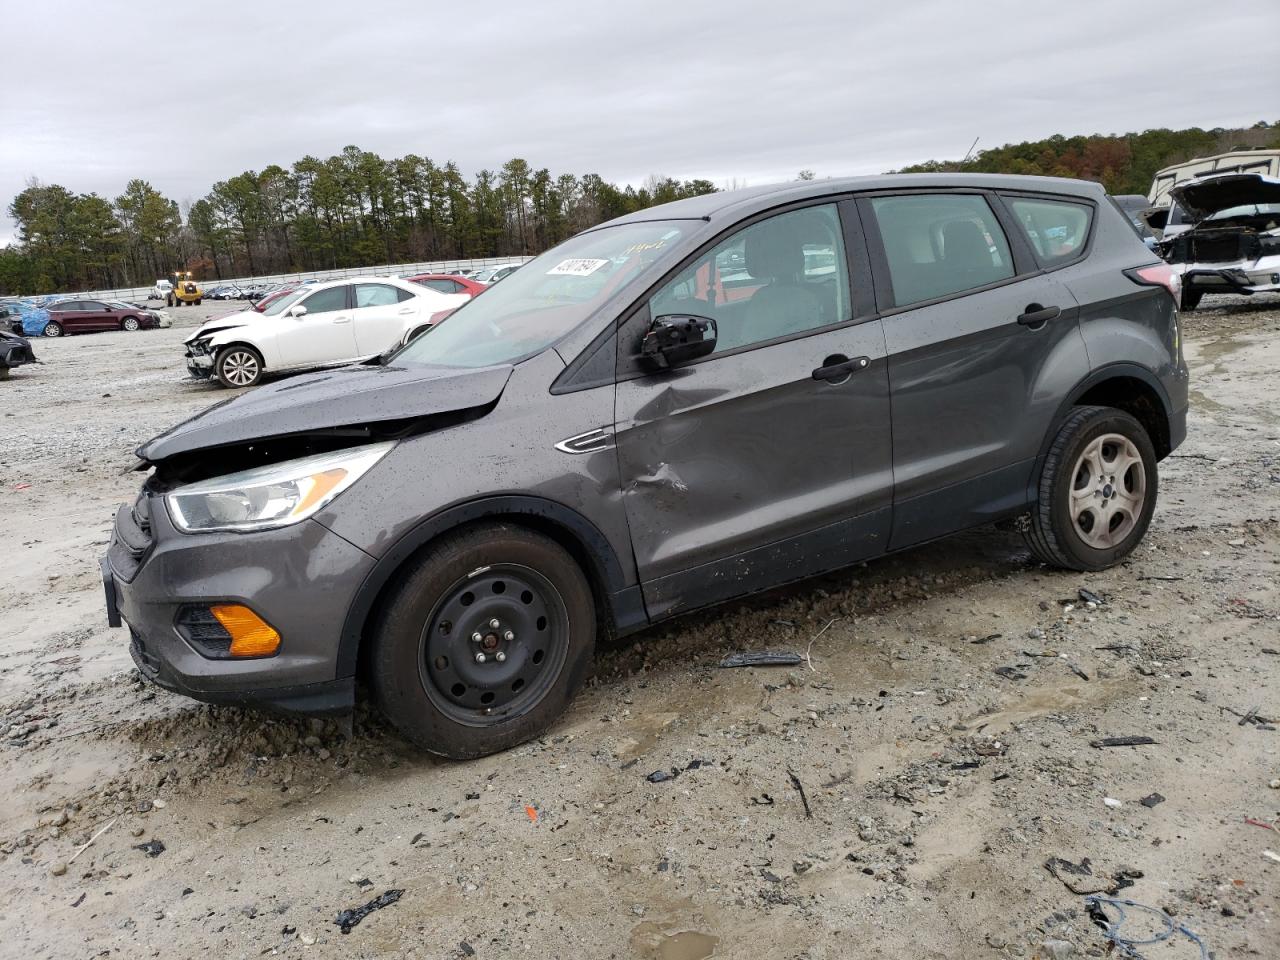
(342, 397)
(238, 319)
(1205, 197)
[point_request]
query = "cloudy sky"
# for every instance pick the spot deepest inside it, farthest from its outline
(95, 93)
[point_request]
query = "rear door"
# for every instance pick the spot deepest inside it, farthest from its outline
(744, 470)
(382, 314)
(324, 334)
(980, 343)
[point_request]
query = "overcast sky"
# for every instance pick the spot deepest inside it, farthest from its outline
(95, 93)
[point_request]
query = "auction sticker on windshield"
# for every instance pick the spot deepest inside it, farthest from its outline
(576, 268)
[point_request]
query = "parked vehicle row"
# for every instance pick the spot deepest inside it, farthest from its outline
(323, 324)
(95, 316)
(610, 437)
(15, 351)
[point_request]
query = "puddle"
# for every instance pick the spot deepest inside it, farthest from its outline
(654, 944)
(1200, 402)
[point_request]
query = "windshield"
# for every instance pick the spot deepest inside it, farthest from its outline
(284, 303)
(545, 299)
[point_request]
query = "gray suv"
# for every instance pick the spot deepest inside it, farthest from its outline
(688, 404)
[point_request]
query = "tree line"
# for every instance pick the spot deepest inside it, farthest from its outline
(354, 209)
(358, 209)
(1123, 164)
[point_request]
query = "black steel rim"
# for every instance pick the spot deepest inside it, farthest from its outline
(478, 673)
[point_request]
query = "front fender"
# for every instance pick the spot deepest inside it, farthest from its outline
(622, 600)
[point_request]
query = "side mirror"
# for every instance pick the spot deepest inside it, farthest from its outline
(676, 339)
(298, 311)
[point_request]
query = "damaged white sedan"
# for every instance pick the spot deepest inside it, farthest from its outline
(1234, 245)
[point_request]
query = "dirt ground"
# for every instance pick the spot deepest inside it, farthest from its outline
(935, 788)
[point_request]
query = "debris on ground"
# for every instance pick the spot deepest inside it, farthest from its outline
(1097, 906)
(1151, 799)
(804, 799)
(763, 658)
(1122, 742)
(152, 848)
(1080, 878)
(347, 919)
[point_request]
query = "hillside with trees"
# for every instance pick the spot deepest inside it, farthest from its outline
(359, 209)
(1123, 163)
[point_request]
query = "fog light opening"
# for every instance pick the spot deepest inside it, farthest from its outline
(251, 636)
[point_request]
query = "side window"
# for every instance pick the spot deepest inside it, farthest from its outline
(324, 301)
(65, 305)
(777, 277)
(403, 295)
(444, 286)
(1057, 229)
(940, 244)
(375, 295)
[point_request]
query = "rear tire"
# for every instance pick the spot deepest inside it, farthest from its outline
(426, 678)
(238, 366)
(53, 329)
(1191, 298)
(1097, 491)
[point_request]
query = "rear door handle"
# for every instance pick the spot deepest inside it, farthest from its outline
(404, 311)
(341, 319)
(838, 369)
(1034, 315)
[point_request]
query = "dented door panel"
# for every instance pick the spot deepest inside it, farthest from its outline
(745, 451)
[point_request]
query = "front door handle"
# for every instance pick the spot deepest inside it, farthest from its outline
(341, 319)
(1035, 315)
(838, 368)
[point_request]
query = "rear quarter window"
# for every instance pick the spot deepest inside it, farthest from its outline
(1057, 230)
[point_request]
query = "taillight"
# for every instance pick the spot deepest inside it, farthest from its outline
(1158, 275)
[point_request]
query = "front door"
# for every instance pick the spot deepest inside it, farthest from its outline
(324, 334)
(747, 468)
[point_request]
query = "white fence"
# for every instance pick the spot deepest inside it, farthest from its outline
(437, 266)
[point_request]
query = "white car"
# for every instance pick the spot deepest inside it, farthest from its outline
(324, 324)
(494, 274)
(161, 290)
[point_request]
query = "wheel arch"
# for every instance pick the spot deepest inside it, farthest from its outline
(1126, 386)
(619, 607)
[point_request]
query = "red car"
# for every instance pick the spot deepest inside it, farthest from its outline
(449, 283)
(94, 316)
(261, 305)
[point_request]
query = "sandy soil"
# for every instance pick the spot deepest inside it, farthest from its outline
(936, 788)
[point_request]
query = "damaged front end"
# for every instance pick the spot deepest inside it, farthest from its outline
(1234, 245)
(232, 590)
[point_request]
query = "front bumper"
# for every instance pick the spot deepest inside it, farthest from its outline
(199, 364)
(300, 579)
(1262, 276)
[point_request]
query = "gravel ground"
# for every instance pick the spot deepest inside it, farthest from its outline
(895, 797)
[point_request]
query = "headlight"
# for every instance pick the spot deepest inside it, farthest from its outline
(274, 496)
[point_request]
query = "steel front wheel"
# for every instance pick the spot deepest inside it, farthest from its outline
(1097, 491)
(483, 641)
(238, 366)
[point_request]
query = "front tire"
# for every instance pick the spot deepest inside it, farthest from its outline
(1097, 491)
(129, 323)
(53, 329)
(461, 697)
(238, 366)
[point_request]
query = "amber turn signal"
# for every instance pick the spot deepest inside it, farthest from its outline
(251, 636)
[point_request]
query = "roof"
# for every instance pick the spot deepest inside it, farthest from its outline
(738, 203)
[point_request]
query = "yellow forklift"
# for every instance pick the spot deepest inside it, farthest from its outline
(185, 291)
